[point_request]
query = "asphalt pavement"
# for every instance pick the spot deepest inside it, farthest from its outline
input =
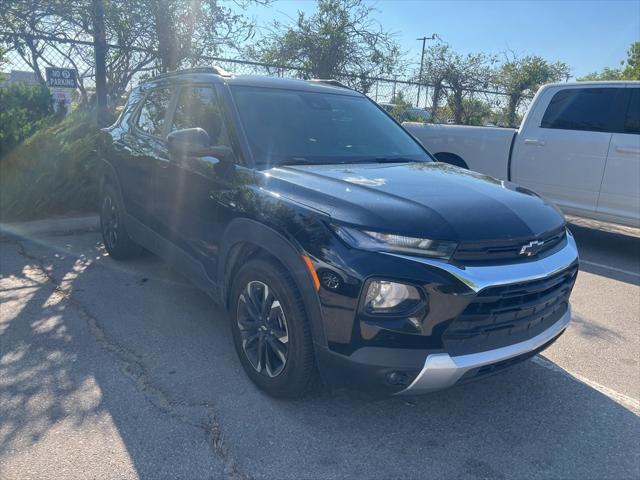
(125, 370)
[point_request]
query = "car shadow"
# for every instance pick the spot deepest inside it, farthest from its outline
(609, 251)
(172, 346)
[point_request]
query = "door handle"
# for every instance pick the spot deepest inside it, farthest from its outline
(627, 150)
(534, 142)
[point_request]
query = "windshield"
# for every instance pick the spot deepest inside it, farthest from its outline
(289, 127)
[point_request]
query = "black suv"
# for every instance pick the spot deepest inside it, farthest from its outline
(333, 238)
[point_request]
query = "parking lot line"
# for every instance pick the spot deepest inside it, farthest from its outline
(618, 397)
(607, 267)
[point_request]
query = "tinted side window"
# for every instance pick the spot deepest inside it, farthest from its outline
(199, 107)
(153, 111)
(581, 109)
(632, 120)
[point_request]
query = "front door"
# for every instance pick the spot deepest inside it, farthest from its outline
(188, 190)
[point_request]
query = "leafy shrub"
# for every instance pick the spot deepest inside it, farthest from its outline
(23, 110)
(52, 172)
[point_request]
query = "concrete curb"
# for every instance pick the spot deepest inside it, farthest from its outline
(50, 226)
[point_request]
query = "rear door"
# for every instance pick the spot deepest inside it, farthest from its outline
(189, 189)
(620, 192)
(562, 150)
(142, 150)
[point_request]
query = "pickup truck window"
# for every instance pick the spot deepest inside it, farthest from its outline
(292, 126)
(199, 107)
(153, 111)
(632, 121)
(581, 109)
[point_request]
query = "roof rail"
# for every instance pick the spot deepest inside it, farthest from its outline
(329, 81)
(215, 70)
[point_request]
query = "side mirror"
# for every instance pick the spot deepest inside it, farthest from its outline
(189, 142)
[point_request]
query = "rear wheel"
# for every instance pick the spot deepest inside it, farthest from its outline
(114, 234)
(270, 329)
(451, 159)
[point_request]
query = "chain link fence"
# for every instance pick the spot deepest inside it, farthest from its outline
(126, 67)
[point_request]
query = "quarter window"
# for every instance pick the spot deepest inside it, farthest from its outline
(153, 111)
(581, 109)
(199, 107)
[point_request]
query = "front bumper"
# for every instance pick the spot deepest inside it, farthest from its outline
(442, 371)
(385, 357)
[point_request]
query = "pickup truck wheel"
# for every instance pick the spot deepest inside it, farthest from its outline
(270, 330)
(114, 234)
(451, 158)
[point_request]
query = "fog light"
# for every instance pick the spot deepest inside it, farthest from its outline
(383, 295)
(398, 378)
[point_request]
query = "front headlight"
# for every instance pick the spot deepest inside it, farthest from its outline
(386, 296)
(388, 242)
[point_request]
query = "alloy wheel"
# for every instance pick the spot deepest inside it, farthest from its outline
(263, 329)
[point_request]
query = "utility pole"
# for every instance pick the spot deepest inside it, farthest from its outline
(424, 41)
(100, 52)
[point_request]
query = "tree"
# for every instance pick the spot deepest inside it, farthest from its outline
(520, 78)
(187, 30)
(475, 111)
(24, 21)
(2, 62)
(606, 74)
(25, 108)
(436, 62)
(158, 35)
(341, 40)
(403, 110)
(630, 68)
(464, 74)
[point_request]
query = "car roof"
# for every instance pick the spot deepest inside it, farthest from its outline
(201, 75)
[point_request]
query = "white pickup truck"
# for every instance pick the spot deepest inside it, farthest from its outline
(578, 146)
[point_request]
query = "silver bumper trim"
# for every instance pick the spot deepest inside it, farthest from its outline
(478, 278)
(441, 370)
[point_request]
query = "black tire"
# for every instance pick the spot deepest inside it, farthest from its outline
(290, 378)
(114, 233)
(451, 159)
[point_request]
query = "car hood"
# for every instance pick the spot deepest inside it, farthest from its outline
(424, 199)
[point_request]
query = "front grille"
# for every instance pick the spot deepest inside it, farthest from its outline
(503, 250)
(504, 315)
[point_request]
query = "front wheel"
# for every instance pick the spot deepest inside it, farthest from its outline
(270, 329)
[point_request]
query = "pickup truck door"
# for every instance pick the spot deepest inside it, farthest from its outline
(562, 150)
(620, 192)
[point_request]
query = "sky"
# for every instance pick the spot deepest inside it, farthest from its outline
(587, 35)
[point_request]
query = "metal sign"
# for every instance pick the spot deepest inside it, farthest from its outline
(62, 77)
